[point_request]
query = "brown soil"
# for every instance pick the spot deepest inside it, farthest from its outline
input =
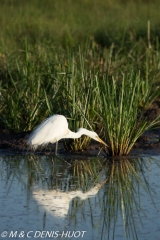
(148, 143)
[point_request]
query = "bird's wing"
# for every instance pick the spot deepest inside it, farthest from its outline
(51, 130)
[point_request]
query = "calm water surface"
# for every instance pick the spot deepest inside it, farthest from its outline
(47, 198)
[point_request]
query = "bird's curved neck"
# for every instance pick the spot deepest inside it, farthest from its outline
(79, 133)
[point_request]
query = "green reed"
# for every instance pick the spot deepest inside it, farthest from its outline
(41, 81)
(23, 88)
(71, 23)
(76, 98)
(89, 85)
(123, 111)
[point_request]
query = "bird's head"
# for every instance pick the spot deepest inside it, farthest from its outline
(92, 135)
(97, 138)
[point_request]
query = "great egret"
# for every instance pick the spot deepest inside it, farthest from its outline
(55, 128)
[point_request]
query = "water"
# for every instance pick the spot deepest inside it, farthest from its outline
(44, 197)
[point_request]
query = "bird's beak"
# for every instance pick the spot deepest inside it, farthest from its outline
(100, 140)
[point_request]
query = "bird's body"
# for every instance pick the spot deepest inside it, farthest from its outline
(55, 128)
(50, 131)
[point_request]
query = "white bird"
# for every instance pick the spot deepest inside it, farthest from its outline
(55, 128)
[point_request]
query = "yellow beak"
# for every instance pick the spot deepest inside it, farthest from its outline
(100, 140)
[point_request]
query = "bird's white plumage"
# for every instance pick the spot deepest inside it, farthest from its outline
(55, 128)
(49, 131)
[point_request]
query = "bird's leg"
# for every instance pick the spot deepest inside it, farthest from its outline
(56, 148)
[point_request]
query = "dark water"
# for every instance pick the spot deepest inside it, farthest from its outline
(43, 197)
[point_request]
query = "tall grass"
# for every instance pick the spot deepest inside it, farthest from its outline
(65, 58)
(88, 85)
(22, 92)
(78, 98)
(123, 103)
(43, 81)
(69, 23)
